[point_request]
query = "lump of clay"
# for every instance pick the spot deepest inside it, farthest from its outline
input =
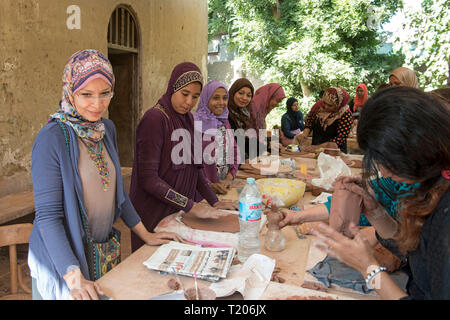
(314, 286)
(386, 258)
(274, 216)
(276, 277)
(229, 223)
(309, 298)
(203, 294)
(346, 207)
(173, 284)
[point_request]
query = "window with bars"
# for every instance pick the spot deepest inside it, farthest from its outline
(122, 31)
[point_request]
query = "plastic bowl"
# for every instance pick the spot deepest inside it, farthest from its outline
(289, 191)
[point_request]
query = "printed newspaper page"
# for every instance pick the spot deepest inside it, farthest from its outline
(209, 264)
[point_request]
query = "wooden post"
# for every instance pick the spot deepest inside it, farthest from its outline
(13, 267)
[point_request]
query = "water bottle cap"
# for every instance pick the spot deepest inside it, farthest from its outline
(250, 180)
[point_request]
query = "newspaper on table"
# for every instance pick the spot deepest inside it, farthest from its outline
(209, 264)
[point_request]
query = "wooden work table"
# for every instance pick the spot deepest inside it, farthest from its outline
(131, 280)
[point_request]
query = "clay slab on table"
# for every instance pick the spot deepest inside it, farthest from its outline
(228, 223)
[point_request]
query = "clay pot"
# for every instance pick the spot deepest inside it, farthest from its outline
(203, 294)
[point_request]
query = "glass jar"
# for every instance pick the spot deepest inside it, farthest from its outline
(274, 240)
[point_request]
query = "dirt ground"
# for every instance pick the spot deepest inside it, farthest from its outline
(22, 253)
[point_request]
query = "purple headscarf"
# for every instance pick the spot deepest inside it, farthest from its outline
(210, 120)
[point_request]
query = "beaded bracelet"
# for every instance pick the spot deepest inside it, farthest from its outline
(373, 274)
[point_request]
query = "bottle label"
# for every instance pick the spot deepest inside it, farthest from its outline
(250, 212)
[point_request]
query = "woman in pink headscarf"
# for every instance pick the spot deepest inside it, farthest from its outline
(266, 98)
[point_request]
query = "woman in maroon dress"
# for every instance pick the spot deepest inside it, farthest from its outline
(165, 181)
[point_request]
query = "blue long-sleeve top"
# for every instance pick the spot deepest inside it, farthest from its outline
(289, 124)
(56, 242)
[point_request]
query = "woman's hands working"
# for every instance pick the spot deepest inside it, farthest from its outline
(223, 186)
(205, 211)
(386, 226)
(80, 288)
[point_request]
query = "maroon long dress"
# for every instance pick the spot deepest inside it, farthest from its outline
(159, 187)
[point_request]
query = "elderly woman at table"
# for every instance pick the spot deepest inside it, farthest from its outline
(165, 176)
(417, 162)
(331, 123)
(78, 189)
(220, 155)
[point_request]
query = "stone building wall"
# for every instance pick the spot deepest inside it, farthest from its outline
(36, 41)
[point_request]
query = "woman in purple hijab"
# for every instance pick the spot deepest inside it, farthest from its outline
(220, 155)
(165, 180)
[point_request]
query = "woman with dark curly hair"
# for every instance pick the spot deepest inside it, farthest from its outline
(415, 162)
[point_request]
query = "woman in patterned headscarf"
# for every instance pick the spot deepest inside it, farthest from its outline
(76, 177)
(331, 123)
(167, 173)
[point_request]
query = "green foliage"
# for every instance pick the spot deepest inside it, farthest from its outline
(219, 18)
(309, 45)
(425, 42)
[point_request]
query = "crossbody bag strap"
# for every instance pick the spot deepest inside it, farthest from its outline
(82, 213)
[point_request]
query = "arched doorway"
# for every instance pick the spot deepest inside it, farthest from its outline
(123, 52)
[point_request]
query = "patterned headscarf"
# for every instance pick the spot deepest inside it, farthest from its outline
(406, 76)
(182, 75)
(240, 116)
(338, 98)
(260, 103)
(358, 101)
(81, 68)
(210, 120)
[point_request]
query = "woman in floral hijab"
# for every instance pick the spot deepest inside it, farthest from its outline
(77, 181)
(331, 123)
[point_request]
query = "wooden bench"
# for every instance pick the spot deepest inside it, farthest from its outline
(18, 205)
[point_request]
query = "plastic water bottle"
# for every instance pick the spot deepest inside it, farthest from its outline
(250, 207)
